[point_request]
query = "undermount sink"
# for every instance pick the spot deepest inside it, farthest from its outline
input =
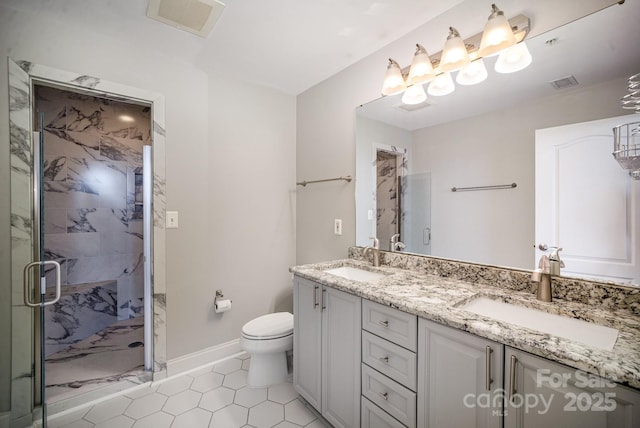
(355, 274)
(557, 325)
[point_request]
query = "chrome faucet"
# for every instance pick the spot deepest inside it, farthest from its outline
(548, 266)
(395, 244)
(375, 252)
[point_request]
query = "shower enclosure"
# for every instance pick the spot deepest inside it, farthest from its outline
(86, 171)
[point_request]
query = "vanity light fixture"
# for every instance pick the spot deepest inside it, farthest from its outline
(513, 59)
(393, 79)
(500, 36)
(497, 34)
(421, 69)
(414, 94)
(473, 73)
(454, 54)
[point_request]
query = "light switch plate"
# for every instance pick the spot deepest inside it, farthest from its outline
(172, 220)
(337, 226)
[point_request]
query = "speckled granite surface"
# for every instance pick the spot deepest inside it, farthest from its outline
(436, 288)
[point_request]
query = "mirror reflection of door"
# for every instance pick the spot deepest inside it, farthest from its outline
(586, 203)
(416, 224)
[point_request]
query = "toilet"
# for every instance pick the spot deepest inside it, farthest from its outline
(267, 339)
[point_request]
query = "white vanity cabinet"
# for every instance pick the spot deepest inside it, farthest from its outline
(542, 393)
(389, 367)
(459, 378)
(326, 351)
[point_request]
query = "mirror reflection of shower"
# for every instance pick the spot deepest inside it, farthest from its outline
(403, 203)
(94, 202)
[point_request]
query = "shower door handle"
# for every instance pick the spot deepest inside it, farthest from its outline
(27, 283)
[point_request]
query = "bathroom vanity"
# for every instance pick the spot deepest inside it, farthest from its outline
(403, 345)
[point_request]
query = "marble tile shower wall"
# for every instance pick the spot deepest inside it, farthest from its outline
(93, 212)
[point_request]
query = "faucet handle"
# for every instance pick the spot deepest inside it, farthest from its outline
(376, 242)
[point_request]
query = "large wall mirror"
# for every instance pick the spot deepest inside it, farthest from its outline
(409, 158)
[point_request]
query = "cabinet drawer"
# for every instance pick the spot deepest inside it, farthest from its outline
(390, 396)
(391, 324)
(374, 417)
(390, 359)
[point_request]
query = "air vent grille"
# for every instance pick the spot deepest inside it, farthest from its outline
(565, 82)
(195, 16)
(412, 107)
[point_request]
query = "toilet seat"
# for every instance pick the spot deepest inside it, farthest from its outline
(270, 326)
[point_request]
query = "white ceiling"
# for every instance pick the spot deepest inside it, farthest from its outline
(289, 45)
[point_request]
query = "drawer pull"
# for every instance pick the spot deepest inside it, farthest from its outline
(384, 323)
(512, 377)
(384, 360)
(488, 380)
(384, 395)
(315, 296)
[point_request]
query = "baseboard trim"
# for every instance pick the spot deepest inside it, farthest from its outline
(203, 357)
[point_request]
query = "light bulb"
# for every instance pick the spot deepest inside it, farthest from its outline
(414, 94)
(473, 73)
(441, 85)
(421, 69)
(513, 59)
(454, 54)
(497, 34)
(393, 80)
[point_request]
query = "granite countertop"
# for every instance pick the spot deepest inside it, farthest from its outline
(439, 299)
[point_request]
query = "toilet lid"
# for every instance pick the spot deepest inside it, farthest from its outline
(269, 326)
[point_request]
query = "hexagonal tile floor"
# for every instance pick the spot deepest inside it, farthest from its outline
(213, 397)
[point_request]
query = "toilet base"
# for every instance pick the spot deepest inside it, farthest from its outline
(267, 369)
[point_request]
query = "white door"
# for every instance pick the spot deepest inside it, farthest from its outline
(586, 203)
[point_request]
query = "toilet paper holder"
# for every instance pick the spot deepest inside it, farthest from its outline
(220, 304)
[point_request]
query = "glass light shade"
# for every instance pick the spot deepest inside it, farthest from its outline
(441, 85)
(421, 69)
(454, 54)
(393, 80)
(497, 34)
(473, 73)
(513, 59)
(414, 94)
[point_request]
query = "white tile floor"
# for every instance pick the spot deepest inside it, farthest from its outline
(216, 396)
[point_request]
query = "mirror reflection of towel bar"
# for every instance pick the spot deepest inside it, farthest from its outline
(304, 183)
(498, 186)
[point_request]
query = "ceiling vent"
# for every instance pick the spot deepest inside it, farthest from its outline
(195, 16)
(412, 107)
(565, 82)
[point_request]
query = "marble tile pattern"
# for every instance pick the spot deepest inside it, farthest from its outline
(435, 289)
(81, 312)
(20, 117)
(92, 170)
(114, 354)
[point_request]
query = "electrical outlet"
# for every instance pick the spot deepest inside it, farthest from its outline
(337, 226)
(172, 219)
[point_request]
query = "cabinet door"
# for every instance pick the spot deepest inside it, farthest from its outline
(341, 322)
(542, 393)
(459, 378)
(307, 340)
